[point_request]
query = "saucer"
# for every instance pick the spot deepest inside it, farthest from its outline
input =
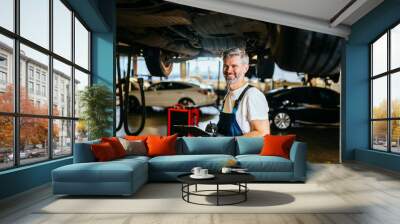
(208, 176)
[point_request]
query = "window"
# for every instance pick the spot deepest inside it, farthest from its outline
(30, 88)
(62, 74)
(45, 131)
(7, 14)
(37, 75)
(34, 21)
(6, 73)
(3, 78)
(38, 89)
(43, 90)
(3, 61)
(30, 72)
(81, 45)
(62, 29)
(385, 95)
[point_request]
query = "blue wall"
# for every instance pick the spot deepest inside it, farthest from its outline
(355, 86)
(99, 15)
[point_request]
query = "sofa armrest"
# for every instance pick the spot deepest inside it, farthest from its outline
(298, 155)
(83, 152)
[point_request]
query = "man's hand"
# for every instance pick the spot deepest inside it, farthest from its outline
(258, 128)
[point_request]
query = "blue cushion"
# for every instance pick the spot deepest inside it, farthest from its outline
(83, 153)
(257, 163)
(207, 145)
(185, 163)
(249, 145)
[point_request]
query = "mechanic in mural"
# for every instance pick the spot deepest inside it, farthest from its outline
(245, 108)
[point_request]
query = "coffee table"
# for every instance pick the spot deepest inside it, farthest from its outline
(238, 179)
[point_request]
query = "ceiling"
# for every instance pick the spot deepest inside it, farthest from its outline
(333, 17)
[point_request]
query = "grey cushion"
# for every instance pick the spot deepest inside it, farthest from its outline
(134, 147)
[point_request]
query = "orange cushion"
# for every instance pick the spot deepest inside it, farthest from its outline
(277, 145)
(116, 145)
(161, 145)
(103, 152)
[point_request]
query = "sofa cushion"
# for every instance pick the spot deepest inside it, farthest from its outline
(112, 171)
(185, 163)
(161, 145)
(206, 145)
(116, 145)
(103, 152)
(83, 152)
(277, 145)
(249, 145)
(257, 163)
(134, 147)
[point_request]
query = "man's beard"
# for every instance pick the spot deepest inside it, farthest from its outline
(232, 81)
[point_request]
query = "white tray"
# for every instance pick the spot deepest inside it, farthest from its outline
(208, 176)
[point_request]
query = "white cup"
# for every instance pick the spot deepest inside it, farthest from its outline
(203, 172)
(226, 170)
(196, 170)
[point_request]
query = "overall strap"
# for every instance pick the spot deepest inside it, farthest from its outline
(241, 96)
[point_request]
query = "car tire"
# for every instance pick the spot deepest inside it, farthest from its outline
(134, 105)
(282, 120)
(157, 62)
(187, 102)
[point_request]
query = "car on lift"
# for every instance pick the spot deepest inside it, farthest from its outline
(307, 105)
(169, 93)
(165, 32)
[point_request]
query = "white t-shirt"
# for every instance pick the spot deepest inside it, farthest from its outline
(253, 106)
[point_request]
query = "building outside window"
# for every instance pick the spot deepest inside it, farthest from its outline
(57, 131)
(385, 94)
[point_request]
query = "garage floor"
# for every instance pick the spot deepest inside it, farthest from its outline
(323, 141)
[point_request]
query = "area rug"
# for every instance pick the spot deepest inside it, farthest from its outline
(167, 198)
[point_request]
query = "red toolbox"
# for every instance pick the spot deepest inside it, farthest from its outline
(181, 115)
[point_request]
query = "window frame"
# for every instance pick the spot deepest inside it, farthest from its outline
(16, 115)
(388, 74)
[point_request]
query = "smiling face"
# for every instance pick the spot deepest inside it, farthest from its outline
(234, 71)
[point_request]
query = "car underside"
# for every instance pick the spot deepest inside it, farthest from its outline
(165, 33)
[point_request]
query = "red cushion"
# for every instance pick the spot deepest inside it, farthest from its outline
(116, 145)
(277, 145)
(161, 145)
(103, 151)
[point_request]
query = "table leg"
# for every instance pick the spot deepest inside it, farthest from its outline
(217, 194)
(196, 188)
(245, 191)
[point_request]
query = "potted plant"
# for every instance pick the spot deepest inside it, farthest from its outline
(96, 103)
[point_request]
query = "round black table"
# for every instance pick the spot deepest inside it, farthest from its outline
(238, 179)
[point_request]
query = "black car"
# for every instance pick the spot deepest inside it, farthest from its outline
(303, 105)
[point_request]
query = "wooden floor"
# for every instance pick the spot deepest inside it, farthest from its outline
(377, 189)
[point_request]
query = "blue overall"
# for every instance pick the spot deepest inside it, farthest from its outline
(227, 124)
